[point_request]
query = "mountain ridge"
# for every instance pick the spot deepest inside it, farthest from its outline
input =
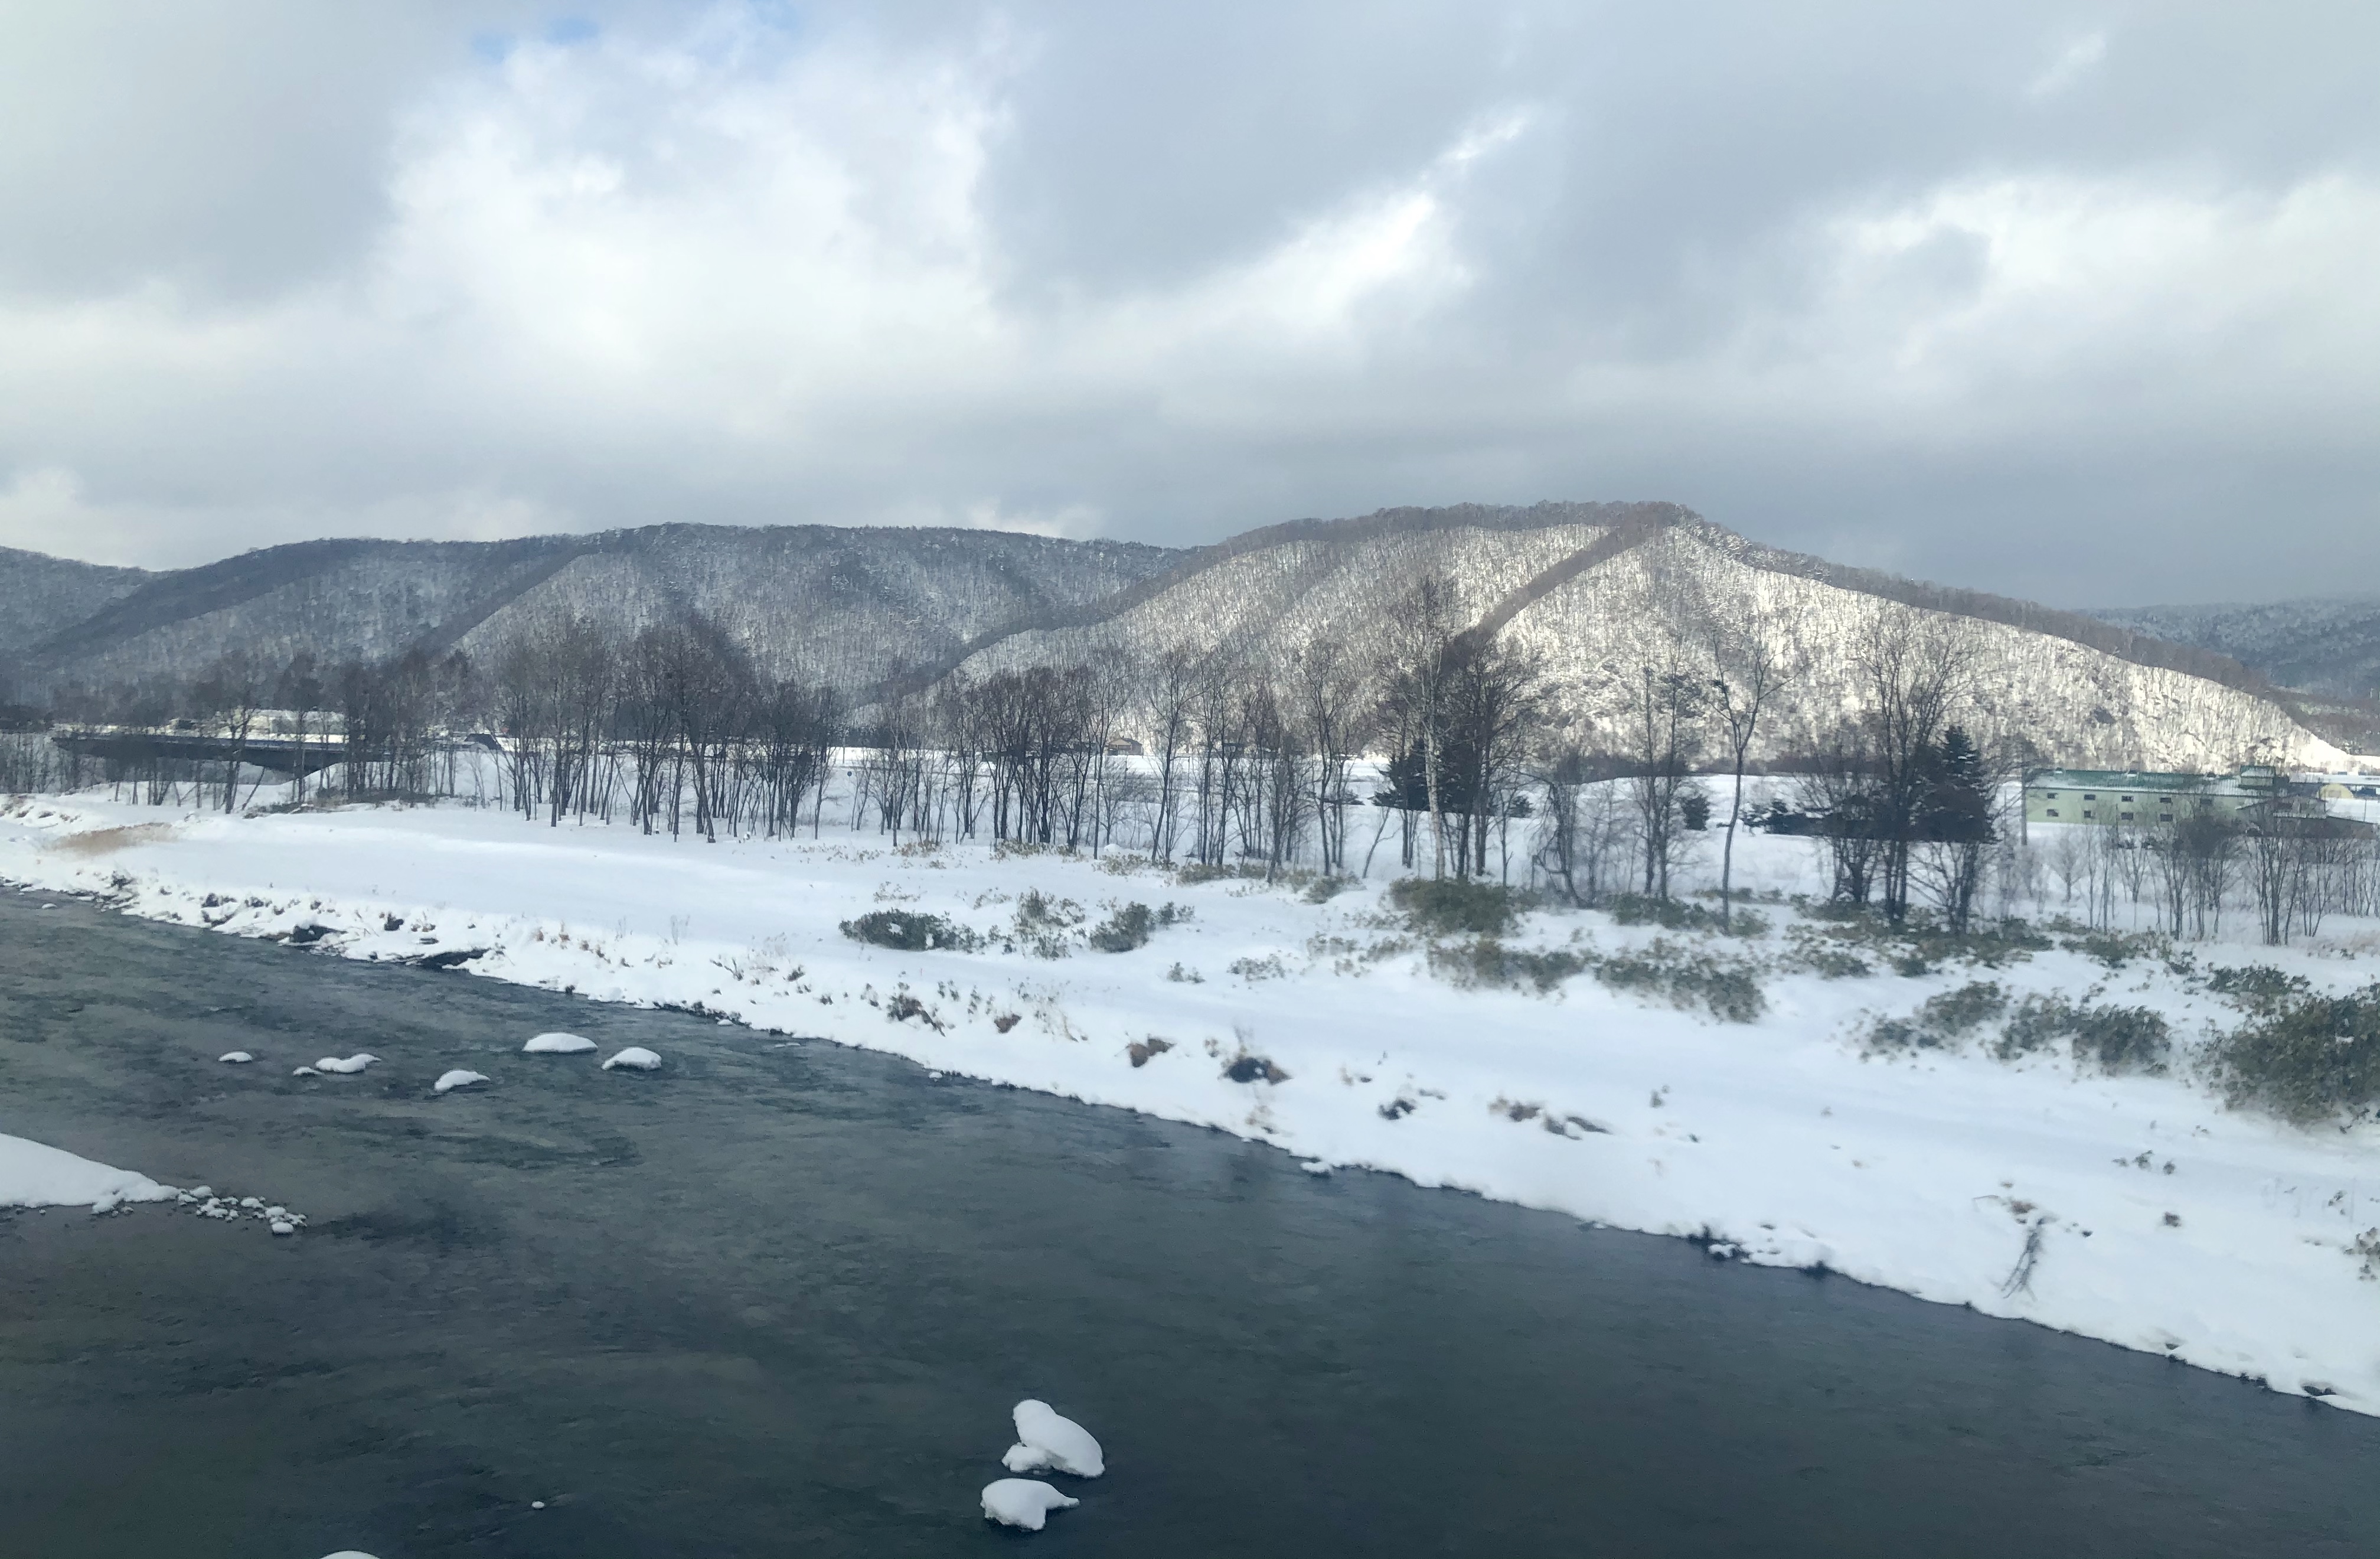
(889, 608)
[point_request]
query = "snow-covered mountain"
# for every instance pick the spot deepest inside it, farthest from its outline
(2324, 646)
(1604, 590)
(853, 606)
(1601, 588)
(41, 595)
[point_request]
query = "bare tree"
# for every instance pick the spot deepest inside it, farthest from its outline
(1415, 681)
(1755, 657)
(1914, 670)
(1664, 713)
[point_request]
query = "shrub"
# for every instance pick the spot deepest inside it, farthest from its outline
(2115, 1039)
(1920, 944)
(1484, 961)
(1128, 927)
(909, 932)
(2260, 988)
(1247, 1068)
(1823, 956)
(1729, 988)
(1943, 1020)
(1676, 914)
(2115, 949)
(1044, 924)
(1444, 907)
(2306, 1057)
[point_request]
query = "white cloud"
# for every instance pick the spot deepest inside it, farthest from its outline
(706, 268)
(2073, 62)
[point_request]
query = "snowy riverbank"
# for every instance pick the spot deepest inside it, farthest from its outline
(2130, 1208)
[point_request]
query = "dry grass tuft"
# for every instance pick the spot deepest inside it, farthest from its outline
(107, 840)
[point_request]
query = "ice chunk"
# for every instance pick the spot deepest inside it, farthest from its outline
(449, 1081)
(558, 1044)
(1021, 1502)
(236, 1058)
(637, 1056)
(283, 1227)
(1048, 1440)
(305, 1072)
(353, 1064)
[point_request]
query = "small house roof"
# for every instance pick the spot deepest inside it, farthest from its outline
(2126, 779)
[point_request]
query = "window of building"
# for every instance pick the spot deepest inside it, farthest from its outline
(2088, 814)
(2164, 817)
(2123, 817)
(2053, 811)
(2088, 796)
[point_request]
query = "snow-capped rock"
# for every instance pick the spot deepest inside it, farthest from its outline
(236, 1058)
(558, 1044)
(1047, 1441)
(347, 1066)
(637, 1058)
(1023, 1501)
(449, 1081)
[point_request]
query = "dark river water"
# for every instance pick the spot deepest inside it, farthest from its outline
(779, 1300)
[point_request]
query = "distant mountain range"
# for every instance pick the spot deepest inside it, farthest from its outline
(2327, 647)
(1601, 589)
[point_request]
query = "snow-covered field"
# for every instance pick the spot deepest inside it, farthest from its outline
(2134, 1209)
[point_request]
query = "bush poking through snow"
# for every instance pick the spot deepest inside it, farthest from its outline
(1443, 907)
(558, 1044)
(2307, 1057)
(1917, 946)
(1141, 1050)
(2114, 1040)
(1728, 988)
(1024, 1503)
(1128, 927)
(908, 930)
(1484, 961)
(1677, 915)
(1250, 1067)
(2260, 988)
(1943, 1020)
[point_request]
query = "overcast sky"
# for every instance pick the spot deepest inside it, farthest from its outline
(2073, 302)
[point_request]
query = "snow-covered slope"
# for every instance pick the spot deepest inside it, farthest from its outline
(2329, 647)
(854, 605)
(2077, 703)
(1602, 589)
(1604, 594)
(40, 595)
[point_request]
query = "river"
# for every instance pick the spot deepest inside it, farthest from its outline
(778, 1298)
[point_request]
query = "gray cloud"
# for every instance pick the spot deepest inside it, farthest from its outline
(2065, 303)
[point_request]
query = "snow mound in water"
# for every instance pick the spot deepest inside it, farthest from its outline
(1049, 1441)
(558, 1044)
(449, 1081)
(34, 1175)
(353, 1064)
(236, 1058)
(305, 1072)
(348, 1554)
(1022, 1502)
(637, 1056)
